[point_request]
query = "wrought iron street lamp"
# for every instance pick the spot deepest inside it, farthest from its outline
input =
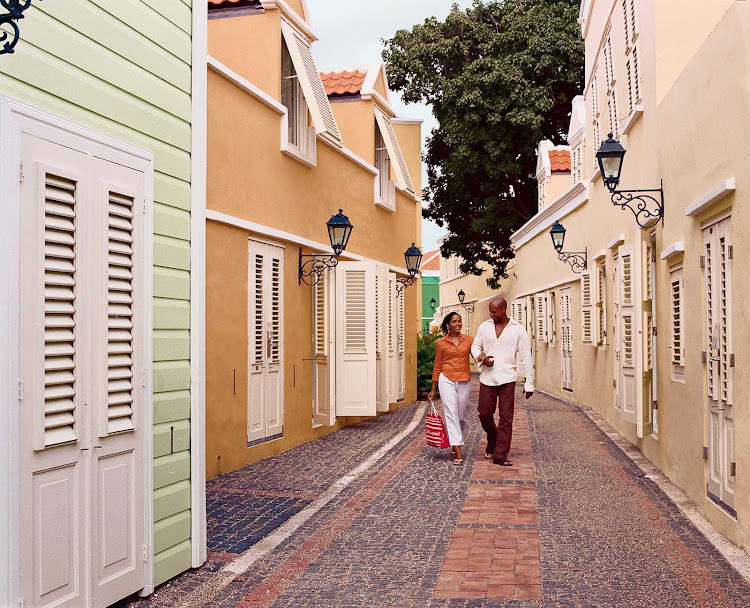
(433, 304)
(413, 258)
(461, 298)
(578, 260)
(647, 208)
(15, 10)
(339, 231)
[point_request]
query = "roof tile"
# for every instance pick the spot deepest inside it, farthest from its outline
(343, 83)
(559, 160)
(431, 260)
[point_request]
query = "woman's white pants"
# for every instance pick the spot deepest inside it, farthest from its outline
(455, 398)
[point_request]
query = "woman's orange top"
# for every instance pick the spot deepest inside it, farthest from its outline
(453, 360)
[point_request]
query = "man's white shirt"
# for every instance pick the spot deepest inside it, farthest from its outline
(513, 341)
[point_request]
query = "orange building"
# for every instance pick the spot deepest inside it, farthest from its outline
(285, 361)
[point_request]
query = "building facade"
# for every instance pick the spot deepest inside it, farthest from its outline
(101, 113)
(290, 145)
(430, 289)
(649, 333)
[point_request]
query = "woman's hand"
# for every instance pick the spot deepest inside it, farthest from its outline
(431, 395)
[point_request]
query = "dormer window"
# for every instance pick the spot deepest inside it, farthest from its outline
(384, 127)
(293, 98)
(385, 190)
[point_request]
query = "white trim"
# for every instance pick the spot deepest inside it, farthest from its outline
(596, 174)
(616, 242)
(290, 14)
(406, 121)
(711, 197)
(199, 136)
(600, 255)
(571, 280)
(351, 156)
(632, 119)
(273, 233)
(565, 204)
(673, 250)
(584, 16)
(246, 85)
(408, 194)
(451, 279)
(17, 117)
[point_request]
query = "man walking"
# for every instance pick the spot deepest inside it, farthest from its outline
(499, 340)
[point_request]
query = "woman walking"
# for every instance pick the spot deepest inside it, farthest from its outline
(452, 375)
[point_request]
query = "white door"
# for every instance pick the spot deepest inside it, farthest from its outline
(718, 262)
(383, 340)
(355, 345)
(83, 376)
(625, 351)
(566, 341)
(265, 341)
(392, 340)
(324, 297)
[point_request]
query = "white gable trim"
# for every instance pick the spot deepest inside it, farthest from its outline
(292, 15)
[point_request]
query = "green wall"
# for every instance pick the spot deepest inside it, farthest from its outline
(122, 67)
(430, 289)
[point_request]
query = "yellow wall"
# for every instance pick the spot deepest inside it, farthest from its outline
(691, 135)
(356, 121)
(249, 178)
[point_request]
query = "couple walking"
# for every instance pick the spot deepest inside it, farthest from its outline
(497, 343)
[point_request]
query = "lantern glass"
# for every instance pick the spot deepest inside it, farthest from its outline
(413, 257)
(610, 157)
(558, 236)
(339, 231)
(433, 304)
(461, 296)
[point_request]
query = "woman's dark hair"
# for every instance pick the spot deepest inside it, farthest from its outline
(445, 326)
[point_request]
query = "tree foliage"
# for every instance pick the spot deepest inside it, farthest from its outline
(500, 76)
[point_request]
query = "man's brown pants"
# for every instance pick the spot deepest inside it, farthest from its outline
(498, 437)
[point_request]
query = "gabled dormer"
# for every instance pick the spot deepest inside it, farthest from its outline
(577, 138)
(552, 172)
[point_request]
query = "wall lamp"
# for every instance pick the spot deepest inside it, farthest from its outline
(461, 298)
(433, 304)
(413, 257)
(647, 208)
(578, 260)
(15, 10)
(339, 231)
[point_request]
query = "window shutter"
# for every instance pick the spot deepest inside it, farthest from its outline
(541, 318)
(551, 328)
(648, 342)
(587, 313)
(725, 320)
(320, 310)
(312, 85)
(631, 100)
(611, 75)
(636, 78)
(676, 301)
(627, 280)
(626, 22)
(275, 323)
(59, 310)
(646, 275)
(601, 305)
(712, 380)
(120, 315)
(627, 340)
(394, 150)
(256, 317)
(355, 336)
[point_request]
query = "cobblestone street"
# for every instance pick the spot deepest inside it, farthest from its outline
(573, 523)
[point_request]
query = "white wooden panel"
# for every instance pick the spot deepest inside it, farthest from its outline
(274, 341)
(355, 349)
(401, 345)
(382, 325)
(391, 330)
(322, 334)
(256, 394)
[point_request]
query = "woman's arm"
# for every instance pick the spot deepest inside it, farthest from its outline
(436, 369)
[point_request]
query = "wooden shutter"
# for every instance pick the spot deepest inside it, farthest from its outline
(320, 315)
(646, 271)
(274, 330)
(551, 322)
(725, 285)
(587, 309)
(394, 150)
(541, 318)
(258, 299)
(648, 342)
(636, 76)
(355, 356)
(60, 265)
(401, 348)
(601, 305)
(382, 304)
(309, 79)
(678, 351)
(626, 298)
(626, 22)
(120, 370)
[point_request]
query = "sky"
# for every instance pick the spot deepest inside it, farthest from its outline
(349, 33)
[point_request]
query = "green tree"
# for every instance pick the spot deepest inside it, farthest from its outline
(500, 76)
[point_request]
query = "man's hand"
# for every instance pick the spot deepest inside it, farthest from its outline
(481, 357)
(489, 361)
(529, 393)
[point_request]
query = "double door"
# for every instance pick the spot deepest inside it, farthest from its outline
(719, 360)
(566, 340)
(265, 341)
(83, 388)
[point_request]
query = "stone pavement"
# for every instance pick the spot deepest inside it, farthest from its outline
(574, 523)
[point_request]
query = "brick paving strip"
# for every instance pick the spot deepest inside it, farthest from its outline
(494, 550)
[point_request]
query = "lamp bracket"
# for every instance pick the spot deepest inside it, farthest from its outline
(578, 260)
(468, 307)
(649, 208)
(15, 10)
(402, 283)
(312, 266)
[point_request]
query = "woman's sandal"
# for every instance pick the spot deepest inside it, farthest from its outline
(487, 455)
(458, 461)
(504, 463)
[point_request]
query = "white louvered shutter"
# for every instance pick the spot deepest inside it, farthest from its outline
(394, 150)
(312, 86)
(677, 312)
(401, 348)
(725, 286)
(601, 305)
(356, 391)
(320, 310)
(541, 318)
(551, 316)
(120, 339)
(587, 313)
(60, 317)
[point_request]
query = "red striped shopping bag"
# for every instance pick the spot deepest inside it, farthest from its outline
(435, 429)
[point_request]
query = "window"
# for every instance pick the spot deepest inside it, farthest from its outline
(541, 317)
(541, 194)
(587, 309)
(293, 98)
(601, 304)
(551, 327)
(383, 165)
(611, 92)
(400, 171)
(595, 128)
(676, 324)
(577, 162)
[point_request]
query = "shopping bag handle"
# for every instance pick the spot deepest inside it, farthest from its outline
(434, 409)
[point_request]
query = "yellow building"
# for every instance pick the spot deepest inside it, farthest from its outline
(649, 332)
(286, 361)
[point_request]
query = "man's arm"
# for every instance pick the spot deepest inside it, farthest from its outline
(478, 345)
(524, 351)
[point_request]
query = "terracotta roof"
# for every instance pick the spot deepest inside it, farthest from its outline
(431, 260)
(343, 83)
(230, 3)
(559, 160)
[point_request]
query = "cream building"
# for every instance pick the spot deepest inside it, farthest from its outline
(650, 333)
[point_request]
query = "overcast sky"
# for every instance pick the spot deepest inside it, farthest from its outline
(349, 33)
